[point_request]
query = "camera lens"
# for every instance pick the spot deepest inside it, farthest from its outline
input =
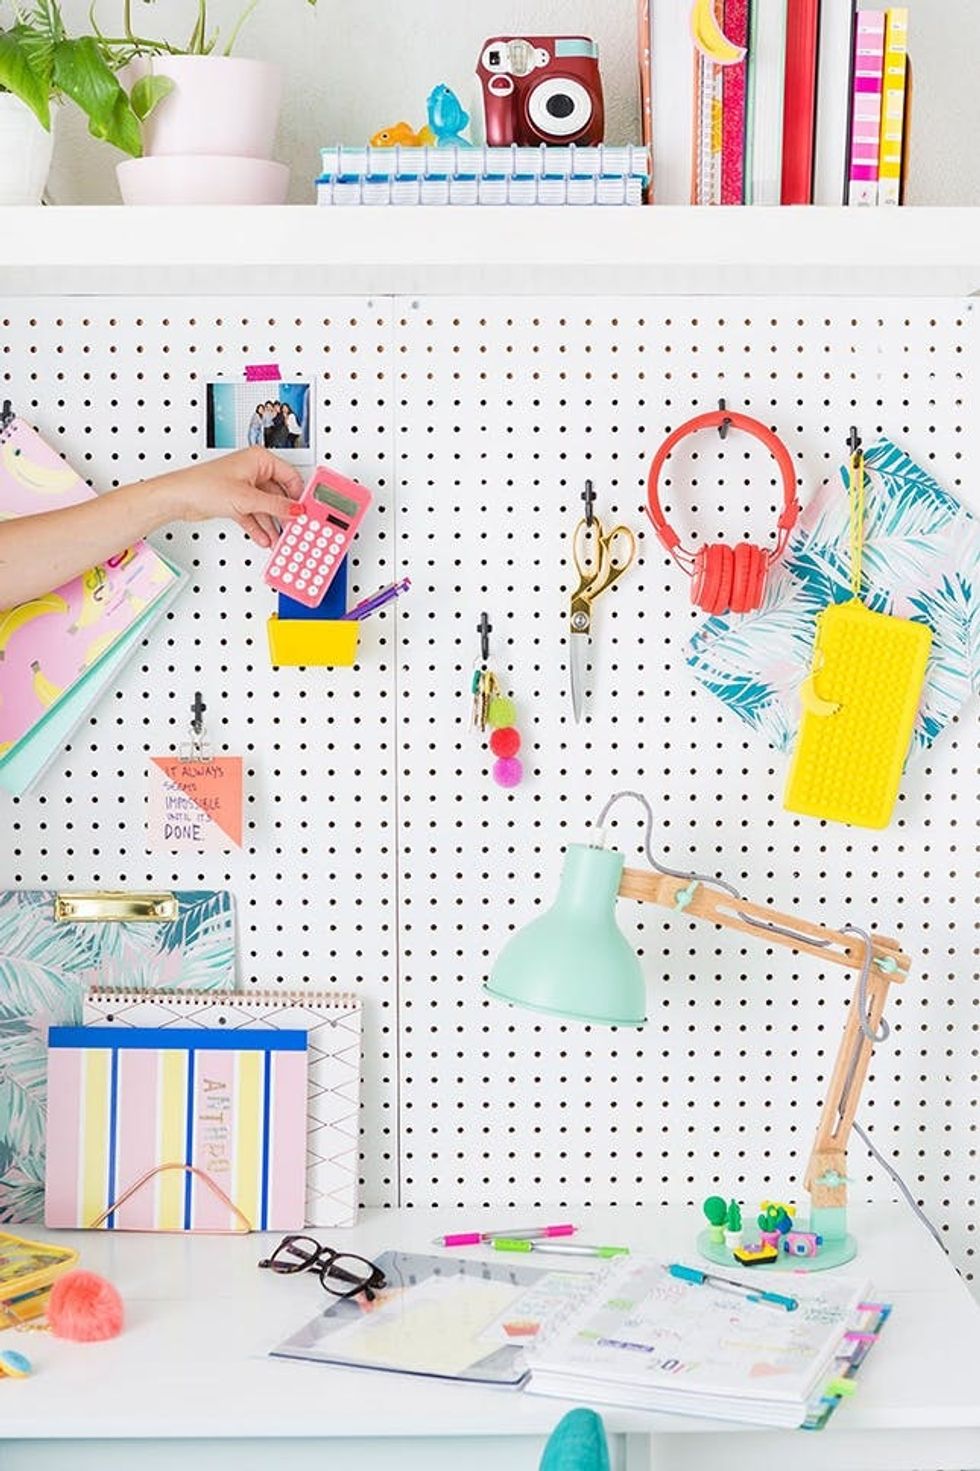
(561, 105)
(493, 59)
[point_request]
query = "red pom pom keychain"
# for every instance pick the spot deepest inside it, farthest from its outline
(493, 709)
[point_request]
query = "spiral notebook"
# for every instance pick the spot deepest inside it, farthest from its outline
(332, 1020)
(444, 1317)
(651, 1341)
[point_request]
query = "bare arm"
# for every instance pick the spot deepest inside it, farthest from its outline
(253, 487)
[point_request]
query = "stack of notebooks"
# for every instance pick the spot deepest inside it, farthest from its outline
(779, 102)
(460, 175)
(648, 1341)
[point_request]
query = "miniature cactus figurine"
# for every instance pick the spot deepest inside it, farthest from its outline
(775, 1220)
(716, 1212)
(733, 1225)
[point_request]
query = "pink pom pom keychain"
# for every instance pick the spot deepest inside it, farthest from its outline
(84, 1307)
(493, 709)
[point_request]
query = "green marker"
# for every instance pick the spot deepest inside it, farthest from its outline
(557, 1248)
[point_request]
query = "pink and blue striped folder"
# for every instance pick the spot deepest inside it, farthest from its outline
(167, 1129)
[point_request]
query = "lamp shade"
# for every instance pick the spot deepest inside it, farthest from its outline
(574, 961)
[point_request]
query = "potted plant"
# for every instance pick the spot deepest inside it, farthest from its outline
(211, 138)
(40, 64)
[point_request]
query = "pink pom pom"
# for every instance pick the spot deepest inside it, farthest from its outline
(506, 741)
(507, 772)
(85, 1307)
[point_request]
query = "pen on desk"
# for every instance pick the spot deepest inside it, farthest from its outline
(479, 1238)
(728, 1284)
(558, 1248)
(378, 600)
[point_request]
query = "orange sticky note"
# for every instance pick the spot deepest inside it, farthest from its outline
(195, 806)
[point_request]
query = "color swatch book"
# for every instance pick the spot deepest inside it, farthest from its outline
(444, 1317)
(651, 1341)
(49, 643)
(332, 1021)
(176, 1130)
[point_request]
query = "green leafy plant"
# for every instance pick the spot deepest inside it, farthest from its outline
(202, 41)
(733, 1219)
(41, 63)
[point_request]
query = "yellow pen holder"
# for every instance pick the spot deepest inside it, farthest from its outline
(311, 641)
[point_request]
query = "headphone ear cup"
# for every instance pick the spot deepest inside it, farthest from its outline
(711, 586)
(744, 576)
(757, 583)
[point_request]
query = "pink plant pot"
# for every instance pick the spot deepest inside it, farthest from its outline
(221, 106)
(197, 180)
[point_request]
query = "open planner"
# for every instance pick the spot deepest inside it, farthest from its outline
(649, 1341)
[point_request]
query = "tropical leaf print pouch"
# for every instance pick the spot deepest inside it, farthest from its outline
(921, 561)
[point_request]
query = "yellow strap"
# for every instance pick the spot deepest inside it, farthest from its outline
(856, 502)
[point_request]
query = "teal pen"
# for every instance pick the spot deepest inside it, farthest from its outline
(743, 1289)
(557, 1248)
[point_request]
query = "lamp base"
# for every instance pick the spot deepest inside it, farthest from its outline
(831, 1254)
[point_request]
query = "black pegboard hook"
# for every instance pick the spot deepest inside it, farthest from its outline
(723, 427)
(589, 497)
(484, 628)
(854, 440)
(197, 715)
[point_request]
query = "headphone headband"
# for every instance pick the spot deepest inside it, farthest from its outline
(713, 420)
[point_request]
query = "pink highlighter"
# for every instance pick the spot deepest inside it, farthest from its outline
(478, 1238)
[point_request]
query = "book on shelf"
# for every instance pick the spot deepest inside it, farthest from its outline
(869, 62)
(605, 160)
(733, 104)
(765, 81)
(835, 86)
(668, 70)
(800, 107)
(507, 189)
(893, 93)
(646, 1340)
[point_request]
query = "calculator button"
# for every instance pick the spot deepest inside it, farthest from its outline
(300, 583)
(301, 520)
(287, 577)
(310, 565)
(318, 581)
(329, 560)
(321, 541)
(314, 526)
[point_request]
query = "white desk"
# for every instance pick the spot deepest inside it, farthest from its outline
(191, 1367)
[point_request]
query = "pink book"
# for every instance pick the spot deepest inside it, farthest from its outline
(166, 1129)
(48, 644)
(869, 65)
(736, 28)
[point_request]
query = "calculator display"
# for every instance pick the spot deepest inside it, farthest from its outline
(329, 497)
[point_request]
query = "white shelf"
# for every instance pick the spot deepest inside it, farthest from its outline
(856, 252)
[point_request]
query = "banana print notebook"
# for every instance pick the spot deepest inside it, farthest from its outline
(47, 645)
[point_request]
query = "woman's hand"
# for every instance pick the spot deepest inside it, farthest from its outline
(252, 487)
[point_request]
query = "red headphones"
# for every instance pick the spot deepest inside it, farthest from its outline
(726, 578)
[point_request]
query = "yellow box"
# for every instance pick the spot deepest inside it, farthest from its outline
(311, 641)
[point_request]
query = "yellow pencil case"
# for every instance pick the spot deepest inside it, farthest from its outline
(859, 707)
(27, 1271)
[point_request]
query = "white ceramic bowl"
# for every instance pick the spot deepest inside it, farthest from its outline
(197, 179)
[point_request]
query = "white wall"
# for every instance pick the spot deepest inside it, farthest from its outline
(356, 65)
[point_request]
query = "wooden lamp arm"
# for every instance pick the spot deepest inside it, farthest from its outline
(826, 1176)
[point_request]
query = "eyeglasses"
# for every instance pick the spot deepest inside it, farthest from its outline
(341, 1273)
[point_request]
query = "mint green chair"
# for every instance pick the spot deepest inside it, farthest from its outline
(577, 1443)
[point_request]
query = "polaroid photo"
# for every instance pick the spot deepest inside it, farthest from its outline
(276, 414)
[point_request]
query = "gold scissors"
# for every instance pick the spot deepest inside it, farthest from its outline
(600, 558)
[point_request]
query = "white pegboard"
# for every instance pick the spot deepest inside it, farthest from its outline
(379, 851)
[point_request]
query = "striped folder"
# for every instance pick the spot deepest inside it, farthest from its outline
(167, 1130)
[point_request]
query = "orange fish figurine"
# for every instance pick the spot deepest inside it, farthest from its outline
(404, 135)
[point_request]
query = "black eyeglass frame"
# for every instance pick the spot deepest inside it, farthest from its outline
(323, 1260)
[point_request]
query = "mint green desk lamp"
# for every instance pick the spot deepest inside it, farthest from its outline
(574, 961)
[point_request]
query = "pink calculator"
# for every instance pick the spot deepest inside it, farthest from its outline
(315, 542)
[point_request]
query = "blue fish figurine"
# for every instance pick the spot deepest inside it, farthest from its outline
(447, 118)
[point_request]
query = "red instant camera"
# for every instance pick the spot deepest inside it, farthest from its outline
(541, 89)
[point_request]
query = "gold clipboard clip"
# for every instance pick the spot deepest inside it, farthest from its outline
(108, 908)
